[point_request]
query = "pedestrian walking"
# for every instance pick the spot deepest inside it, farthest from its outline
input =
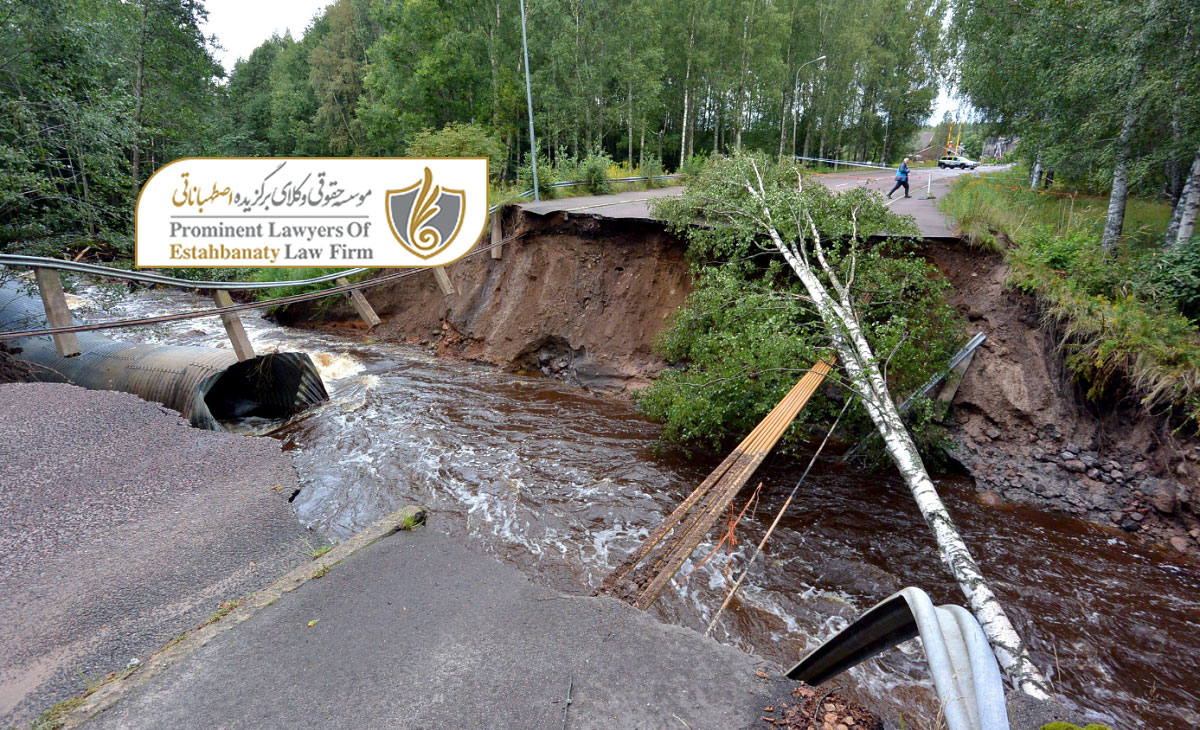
(901, 179)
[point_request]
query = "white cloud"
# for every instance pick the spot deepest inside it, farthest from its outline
(242, 25)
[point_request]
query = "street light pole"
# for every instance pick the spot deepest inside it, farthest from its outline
(529, 104)
(795, 94)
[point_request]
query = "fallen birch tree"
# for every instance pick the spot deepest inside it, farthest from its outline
(817, 234)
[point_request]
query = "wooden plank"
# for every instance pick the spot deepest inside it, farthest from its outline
(755, 452)
(443, 280)
(695, 516)
(497, 233)
(361, 305)
(58, 314)
(233, 327)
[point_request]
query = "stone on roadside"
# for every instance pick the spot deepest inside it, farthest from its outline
(1180, 544)
(1074, 465)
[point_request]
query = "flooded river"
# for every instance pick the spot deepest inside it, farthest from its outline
(563, 484)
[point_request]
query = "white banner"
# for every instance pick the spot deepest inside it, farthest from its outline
(311, 212)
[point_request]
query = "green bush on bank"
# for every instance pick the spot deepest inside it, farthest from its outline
(1123, 319)
(747, 332)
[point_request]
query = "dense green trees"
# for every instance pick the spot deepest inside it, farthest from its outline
(94, 95)
(1101, 91)
(97, 94)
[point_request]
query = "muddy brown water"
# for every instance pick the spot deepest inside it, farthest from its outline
(563, 484)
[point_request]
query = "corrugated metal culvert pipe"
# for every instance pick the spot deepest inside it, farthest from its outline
(206, 385)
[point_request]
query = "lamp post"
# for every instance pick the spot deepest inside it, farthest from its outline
(529, 104)
(795, 94)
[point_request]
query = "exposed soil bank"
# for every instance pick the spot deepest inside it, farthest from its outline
(123, 526)
(583, 299)
(579, 299)
(1025, 433)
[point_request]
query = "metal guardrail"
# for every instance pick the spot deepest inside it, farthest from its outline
(965, 673)
(972, 345)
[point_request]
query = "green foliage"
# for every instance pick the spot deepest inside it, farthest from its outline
(547, 176)
(1122, 319)
(1064, 76)
(747, 333)
(652, 166)
(594, 172)
(459, 140)
(95, 95)
(56, 717)
(1176, 273)
(288, 274)
(694, 164)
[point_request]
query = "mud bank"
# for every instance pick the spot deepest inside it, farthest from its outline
(1025, 433)
(579, 299)
(582, 299)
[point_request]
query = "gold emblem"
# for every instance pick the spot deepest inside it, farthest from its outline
(424, 217)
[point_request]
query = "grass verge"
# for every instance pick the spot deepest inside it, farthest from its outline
(1124, 320)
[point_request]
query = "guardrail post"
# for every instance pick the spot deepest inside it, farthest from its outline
(497, 234)
(233, 327)
(58, 314)
(443, 280)
(361, 305)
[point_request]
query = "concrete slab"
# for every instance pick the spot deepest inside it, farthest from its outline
(418, 631)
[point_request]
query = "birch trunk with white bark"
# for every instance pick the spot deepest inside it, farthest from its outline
(854, 352)
(1184, 224)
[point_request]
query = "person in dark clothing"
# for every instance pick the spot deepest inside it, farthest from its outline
(901, 179)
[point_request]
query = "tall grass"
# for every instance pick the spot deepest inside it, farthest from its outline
(1117, 315)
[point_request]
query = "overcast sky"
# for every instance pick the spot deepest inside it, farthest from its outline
(242, 25)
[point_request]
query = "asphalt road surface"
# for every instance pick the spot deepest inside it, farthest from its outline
(122, 527)
(635, 205)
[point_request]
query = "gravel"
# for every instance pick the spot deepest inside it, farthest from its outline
(120, 527)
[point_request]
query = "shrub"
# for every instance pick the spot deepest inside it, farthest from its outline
(694, 164)
(460, 140)
(1177, 275)
(652, 166)
(594, 173)
(547, 176)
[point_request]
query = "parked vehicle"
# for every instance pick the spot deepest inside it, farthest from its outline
(962, 163)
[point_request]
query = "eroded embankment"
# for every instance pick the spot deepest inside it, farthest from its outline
(1025, 432)
(581, 299)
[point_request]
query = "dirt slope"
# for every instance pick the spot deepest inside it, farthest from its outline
(1025, 433)
(576, 298)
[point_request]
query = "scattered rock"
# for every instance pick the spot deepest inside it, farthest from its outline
(993, 433)
(799, 711)
(1180, 544)
(1067, 455)
(1163, 500)
(991, 499)
(1074, 465)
